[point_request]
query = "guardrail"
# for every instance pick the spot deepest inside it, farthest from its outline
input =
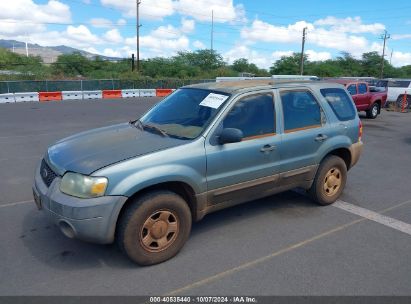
(81, 95)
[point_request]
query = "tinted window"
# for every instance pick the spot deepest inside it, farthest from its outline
(301, 110)
(340, 103)
(253, 115)
(399, 84)
(362, 88)
(352, 88)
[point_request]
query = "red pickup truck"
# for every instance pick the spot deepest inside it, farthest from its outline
(364, 99)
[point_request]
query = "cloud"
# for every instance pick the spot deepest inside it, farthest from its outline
(401, 59)
(224, 10)
(113, 36)
(401, 37)
(350, 25)
(199, 45)
(19, 17)
(187, 26)
(332, 33)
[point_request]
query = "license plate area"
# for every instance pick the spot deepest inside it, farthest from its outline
(37, 200)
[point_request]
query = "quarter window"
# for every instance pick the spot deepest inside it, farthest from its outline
(253, 115)
(362, 88)
(340, 103)
(301, 111)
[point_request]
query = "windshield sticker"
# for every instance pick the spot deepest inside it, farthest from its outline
(214, 100)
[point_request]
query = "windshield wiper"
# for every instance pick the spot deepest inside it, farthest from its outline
(139, 124)
(155, 128)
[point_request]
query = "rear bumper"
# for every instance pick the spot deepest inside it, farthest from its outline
(356, 150)
(93, 220)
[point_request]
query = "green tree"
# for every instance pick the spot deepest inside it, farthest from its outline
(288, 65)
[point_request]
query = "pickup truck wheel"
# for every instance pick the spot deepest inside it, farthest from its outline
(329, 181)
(154, 227)
(373, 112)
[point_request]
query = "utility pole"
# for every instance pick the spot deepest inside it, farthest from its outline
(392, 51)
(132, 62)
(212, 30)
(302, 52)
(138, 2)
(385, 37)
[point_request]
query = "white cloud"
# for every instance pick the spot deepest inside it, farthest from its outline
(332, 33)
(350, 25)
(187, 26)
(243, 51)
(224, 10)
(121, 22)
(318, 56)
(113, 36)
(19, 17)
(401, 36)
(199, 45)
(401, 59)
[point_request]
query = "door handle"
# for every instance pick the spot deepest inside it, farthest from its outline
(267, 148)
(321, 137)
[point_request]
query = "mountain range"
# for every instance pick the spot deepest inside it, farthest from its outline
(49, 54)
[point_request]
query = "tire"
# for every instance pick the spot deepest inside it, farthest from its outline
(373, 112)
(154, 227)
(407, 102)
(324, 191)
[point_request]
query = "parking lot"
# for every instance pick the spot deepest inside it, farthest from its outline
(281, 245)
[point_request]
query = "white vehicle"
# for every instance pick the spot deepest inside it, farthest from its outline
(397, 88)
(276, 77)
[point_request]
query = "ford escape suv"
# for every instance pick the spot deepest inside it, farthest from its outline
(203, 148)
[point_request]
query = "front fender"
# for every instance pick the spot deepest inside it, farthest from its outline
(157, 175)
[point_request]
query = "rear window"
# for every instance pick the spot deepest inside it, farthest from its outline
(362, 88)
(399, 84)
(340, 103)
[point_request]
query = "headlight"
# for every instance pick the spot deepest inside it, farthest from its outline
(83, 186)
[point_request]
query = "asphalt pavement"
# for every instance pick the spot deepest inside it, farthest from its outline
(280, 245)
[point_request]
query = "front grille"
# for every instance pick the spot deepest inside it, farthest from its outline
(47, 174)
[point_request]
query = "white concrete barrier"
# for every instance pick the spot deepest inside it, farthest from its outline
(28, 96)
(92, 94)
(147, 93)
(72, 95)
(7, 98)
(130, 93)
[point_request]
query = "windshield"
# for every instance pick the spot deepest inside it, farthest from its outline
(185, 113)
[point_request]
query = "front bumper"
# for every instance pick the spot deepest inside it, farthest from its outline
(93, 220)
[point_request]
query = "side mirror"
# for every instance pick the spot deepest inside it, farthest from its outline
(230, 135)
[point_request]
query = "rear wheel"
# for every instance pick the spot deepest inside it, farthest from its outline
(154, 227)
(329, 181)
(373, 112)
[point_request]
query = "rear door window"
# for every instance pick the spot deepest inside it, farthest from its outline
(254, 115)
(352, 88)
(362, 88)
(301, 111)
(340, 103)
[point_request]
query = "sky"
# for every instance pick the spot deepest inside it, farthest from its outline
(260, 30)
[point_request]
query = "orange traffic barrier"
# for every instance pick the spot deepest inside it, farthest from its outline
(404, 102)
(112, 94)
(50, 96)
(163, 92)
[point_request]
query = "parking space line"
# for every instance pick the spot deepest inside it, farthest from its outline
(16, 204)
(374, 216)
(246, 265)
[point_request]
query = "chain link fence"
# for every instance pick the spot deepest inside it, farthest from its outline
(91, 85)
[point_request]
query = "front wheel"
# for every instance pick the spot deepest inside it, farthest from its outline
(329, 181)
(373, 112)
(154, 227)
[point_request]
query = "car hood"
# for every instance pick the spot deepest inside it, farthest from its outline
(89, 151)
